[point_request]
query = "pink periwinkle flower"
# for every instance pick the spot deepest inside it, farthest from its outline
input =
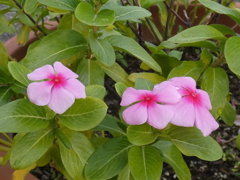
(193, 109)
(58, 89)
(152, 107)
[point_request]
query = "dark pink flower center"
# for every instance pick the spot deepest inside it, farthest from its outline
(57, 79)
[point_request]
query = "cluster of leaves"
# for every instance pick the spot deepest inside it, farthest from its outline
(89, 38)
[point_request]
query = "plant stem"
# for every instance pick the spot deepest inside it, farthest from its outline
(6, 136)
(4, 149)
(5, 143)
(168, 18)
(30, 18)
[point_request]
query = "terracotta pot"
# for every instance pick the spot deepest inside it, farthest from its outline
(222, 19)
(19, 52)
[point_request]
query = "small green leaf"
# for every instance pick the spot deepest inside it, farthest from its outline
(153, 77)
(3, 55)
(141, 134)
(75, 159)
(224, 29)
(144, 84)
(19, 72)
(22, 116)
(173, 157)
(228, 114)
(191, 142)
(108, 160)
(30, 148)
(238, 141)
(84, 114)
(90, 73)
(5, 94)
(85, 13)
(96, 91)
(187, 68)
(145, 163)
(61, 4)
(120, 88)
(5, 26)
(30, 6)
(102, 50)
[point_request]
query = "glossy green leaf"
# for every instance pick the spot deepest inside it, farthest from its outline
(57, 46)
(197, 33)
(108, 160)
(90, 73)
(130, 46)
(5, 26)
(25, 20)
(215, 82)
(173, 157)
(85, 13)
(217, 7)
(125, 174)
(224, 29)
(5, 94)
(153, 77)
(144, 84)
(23, 35)
(102, 50)
(96, 91)
(75, 159)
(141, 134)
(98, 141)
(30, 6)
(5, 76)
(18, 87)
(191, 142)
(3, 55)
(228, 114)
(109, 123)
(22, 116)
(30, 148)
(117, 73)
(84, 114)
(120, 88)
(232, 53)
(145, 162)
(187, 68)
(61, 4)
(148, 3)
(19, 72)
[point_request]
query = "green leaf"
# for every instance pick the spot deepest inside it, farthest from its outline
(117, 73)
(234, 14)
(5, 77)
(75, 159)
(19, 72)
(141, 134)
(224, 29)
(144, 84)
(84, 114)
(228, 114)
(108, 160)
(61, 4)
(120, 88)
(90, 73)
(187, 68)
(30, 148)
(3, 55)
(109, 123)
(238, 141)
(148, 3)
(232, 53)
(153, 77)
(25, 20)
(125, 174)
(102, 50)
(145, 163)
(173, 157)
(85, 13)
(215, 82)
(191, 142)
(30, 6)
(18, 87)
(130, 46)
(22, 116)
(5, 26)
(96, 91)
(57, 46)
(5, 94)
(197, 33)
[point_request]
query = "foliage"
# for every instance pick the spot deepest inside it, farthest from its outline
(101, 40)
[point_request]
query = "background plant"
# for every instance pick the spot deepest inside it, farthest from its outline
(95, 39)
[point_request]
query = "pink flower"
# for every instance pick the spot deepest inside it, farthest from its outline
(58, 90)
(193, 109)
(152, 107)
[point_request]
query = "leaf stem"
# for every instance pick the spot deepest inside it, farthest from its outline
(4, 149)
(8, 138)
(5, 143)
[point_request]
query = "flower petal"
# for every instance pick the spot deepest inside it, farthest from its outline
(41, 73)
(61, 99)
(64, 71)
(159, 115)
(39, 93)
(184, 82)
(166, 93)
(184, 113)
(205, 121)
(132, 95)
(135, 114)
(204, 99)
(75, 87)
